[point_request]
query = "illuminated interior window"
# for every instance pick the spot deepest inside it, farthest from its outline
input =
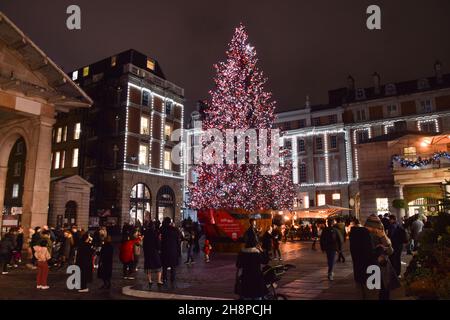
(145, 125)
(321, 200)
(57, 160)
(77, 131)
(167, 131)
(409, 151)
(15, 190)
(75, 75)
(63, 159)
(59, 135)
(85, 71)
(150, 64)
(306, 202)
(167, 160)
(65, 134)
(75, 158)
(113, 61)
(143, 155)
(336, 196)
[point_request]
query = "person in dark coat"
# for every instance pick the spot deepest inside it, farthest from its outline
(7, 245)
(330, 243)
(266, 242)
(398, 237)
(152, 259)
(250, 283)
(85, 260)
(105, 263)
(361, 252)
(170, 250)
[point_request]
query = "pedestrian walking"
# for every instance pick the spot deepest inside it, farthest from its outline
(361, 252)
(105, 262)
(381, 250)
(152, 259)
(42, 257)
(315, 235)
(207, 250)
(7, 245)
(85, 261)
(399, 238)
(276, 236)
(170, 250)
(330, 243)
(267, 242)
(340, 226)
(190, 245)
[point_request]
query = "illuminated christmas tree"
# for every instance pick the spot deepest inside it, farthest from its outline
(239, 101)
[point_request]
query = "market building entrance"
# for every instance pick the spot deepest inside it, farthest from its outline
(165, 203)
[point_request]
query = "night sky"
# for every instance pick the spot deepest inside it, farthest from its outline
(304, 47)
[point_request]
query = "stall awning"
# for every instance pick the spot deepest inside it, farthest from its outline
(320, 212)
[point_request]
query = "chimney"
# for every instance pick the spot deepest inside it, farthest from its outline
(307, 102)
(438, 71)
(350, 83)
(376, 83)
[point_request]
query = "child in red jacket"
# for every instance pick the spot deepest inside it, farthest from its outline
(127, 257)
(207, 250)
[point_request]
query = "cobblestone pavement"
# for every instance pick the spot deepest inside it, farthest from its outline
(308, 280)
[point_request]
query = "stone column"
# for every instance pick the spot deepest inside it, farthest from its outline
(402, 212)
(37, 175)
(3, 172)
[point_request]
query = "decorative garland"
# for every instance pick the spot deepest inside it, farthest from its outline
(420, 162)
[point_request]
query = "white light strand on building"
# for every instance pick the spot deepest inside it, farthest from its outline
(420, 122)
(326, 158)
(163, 140)
(348, 156)
(294, 160)
(125, 144)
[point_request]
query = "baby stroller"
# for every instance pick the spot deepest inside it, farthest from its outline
(273, 274)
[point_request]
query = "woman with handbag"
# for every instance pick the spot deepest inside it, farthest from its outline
(381, 250)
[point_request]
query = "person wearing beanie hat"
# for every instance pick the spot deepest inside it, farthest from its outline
(381, 250)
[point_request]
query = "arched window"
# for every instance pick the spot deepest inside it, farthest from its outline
(165, 203)
(140, 203)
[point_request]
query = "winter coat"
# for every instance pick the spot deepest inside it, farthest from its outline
(105, 261)
(267, 239)
(251, 280)
(127, 250)
(151, 247)
(380, 257)
(416, 229)
(361, 251)
(397, 235)
(41, 254)
(85, 260)
(7, 244)
(67, 248)
(330, 239)
(170, 246)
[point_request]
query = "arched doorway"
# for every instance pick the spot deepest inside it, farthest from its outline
(14, 186)
(165, 203)
(70, 214)
(140, 203)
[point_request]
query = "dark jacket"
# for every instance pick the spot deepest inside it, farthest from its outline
(19, 242)
(170, 246)
(105, 261)
(85, 260)
(397, 235)
(361, 251)
(267, 239)
(7, 244)
(252, 283)
(151, 246)
(330, 240)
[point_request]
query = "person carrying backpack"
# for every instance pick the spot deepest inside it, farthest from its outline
(330, 243)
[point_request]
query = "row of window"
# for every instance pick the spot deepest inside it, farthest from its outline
(393, 110)
(86, 70)
(59, 159)
(145, 101)
(305, 202)
(60, 134)
(144, 157)
(145, 127)
(318, 143)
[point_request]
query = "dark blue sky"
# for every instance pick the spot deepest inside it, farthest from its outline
(305, 47)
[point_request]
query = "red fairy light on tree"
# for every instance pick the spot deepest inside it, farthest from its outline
(239, 102)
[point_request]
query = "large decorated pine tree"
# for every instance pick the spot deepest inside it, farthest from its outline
(239, 101)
